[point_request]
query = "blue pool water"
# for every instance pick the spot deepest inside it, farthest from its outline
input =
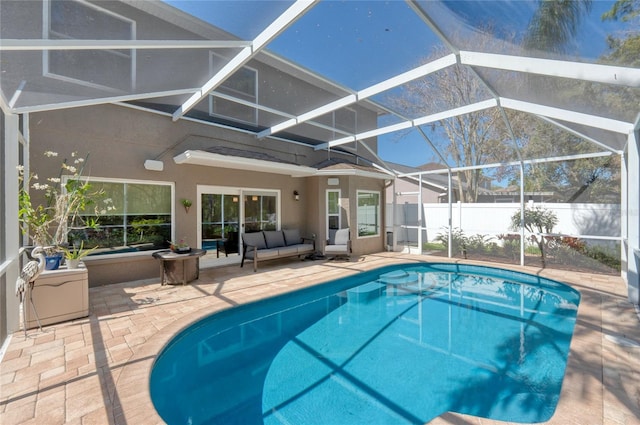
(400, 344)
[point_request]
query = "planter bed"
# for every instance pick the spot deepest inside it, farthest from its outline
(122, 267)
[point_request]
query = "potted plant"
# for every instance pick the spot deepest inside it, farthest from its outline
(68, 199)
(180, 247)
(186, 203)
(74, 255)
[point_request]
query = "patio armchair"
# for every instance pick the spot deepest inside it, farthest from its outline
(229, 245)
(341, 247)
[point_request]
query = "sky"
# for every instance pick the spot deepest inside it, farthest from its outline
(357, 44)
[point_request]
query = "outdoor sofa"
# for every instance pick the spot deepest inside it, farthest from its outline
(272, 244)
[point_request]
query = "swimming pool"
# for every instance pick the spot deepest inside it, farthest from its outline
(400, 344)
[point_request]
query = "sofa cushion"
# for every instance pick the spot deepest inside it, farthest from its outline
(288, 250)
(336, 249)
(304, 248)
(274, 238)
(342, 237)
(292, 236)
(263, 254)
(256, 239)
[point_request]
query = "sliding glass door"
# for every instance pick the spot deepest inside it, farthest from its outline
(224, 213)
(220, 217)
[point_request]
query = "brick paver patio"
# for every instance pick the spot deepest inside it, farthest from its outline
(96, 370)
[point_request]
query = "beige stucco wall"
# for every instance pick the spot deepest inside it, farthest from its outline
(429, 195)
(349, 186)
(119, 140)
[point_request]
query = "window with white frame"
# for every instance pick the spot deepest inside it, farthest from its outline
(236, 95)
(261, 211)
(105, 69)
(132, 215)
(333, 213)
(368, 214)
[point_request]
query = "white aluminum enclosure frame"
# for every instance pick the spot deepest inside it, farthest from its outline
(591, 72)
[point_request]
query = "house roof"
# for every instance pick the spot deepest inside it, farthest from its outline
(227, 157)
(336, 167)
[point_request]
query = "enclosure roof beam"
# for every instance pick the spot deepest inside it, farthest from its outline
(578, 134)
(474, 107)
(58, 44)
(418, 72)
(598, 73)
(566, 115)
(100, 101)
(272, 31)
(512, 163)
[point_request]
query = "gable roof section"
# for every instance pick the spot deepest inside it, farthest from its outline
(336, 167)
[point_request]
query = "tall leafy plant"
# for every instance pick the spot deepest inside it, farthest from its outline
(68, 198)
(536, 220)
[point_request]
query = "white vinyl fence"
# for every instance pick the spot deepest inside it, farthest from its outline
(494, 219)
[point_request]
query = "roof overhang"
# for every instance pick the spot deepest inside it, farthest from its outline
(198, 157)
(209, 159)
(355, 172)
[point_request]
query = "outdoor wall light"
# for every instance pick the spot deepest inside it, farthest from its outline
(296, 195)
(153, 165)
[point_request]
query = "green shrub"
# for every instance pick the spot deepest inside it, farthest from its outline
(604, 256)
(459, 241)
(432, 246)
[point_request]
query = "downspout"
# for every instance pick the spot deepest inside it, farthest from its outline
(394, 202)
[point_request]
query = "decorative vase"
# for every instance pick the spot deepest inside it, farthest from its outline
(52, 262)
(181, 249)
(72, 263)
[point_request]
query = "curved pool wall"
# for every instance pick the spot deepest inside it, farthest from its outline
(279, 359)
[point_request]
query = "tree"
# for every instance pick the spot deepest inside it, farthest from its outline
(554, 24)
(581, 180)
(625, 49)
(465, 140)
(536, 220)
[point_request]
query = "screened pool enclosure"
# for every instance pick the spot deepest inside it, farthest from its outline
(534, 103)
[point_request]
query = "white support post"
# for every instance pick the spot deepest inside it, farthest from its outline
(631, 167)
(26, 160)
(395, 228)
(450, 194)
(521, 214)
(10, 234)
(420, 214)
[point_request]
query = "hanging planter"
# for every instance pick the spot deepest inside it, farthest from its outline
(186, 203)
